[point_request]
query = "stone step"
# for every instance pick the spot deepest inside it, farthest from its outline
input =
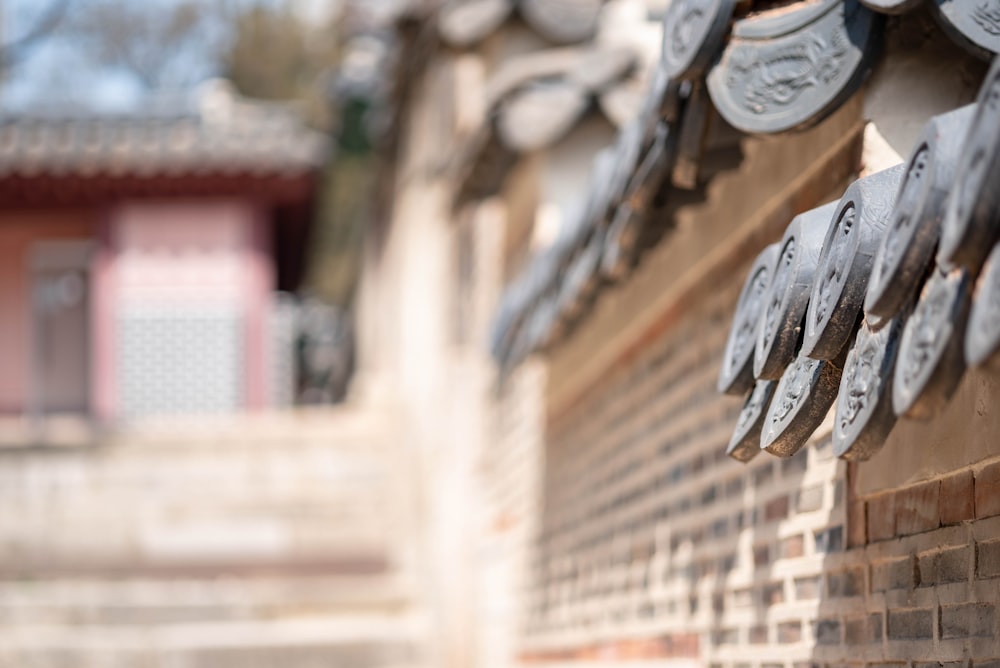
(357, 640)
(150, 602)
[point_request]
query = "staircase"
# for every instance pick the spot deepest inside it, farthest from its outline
(278, 540)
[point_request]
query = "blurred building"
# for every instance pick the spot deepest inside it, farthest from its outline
(588, 191)
(143, 252)
(145, 261)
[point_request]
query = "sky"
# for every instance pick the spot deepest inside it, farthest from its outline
(54, 73)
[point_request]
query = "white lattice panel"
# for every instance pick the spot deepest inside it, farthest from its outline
(180, 361)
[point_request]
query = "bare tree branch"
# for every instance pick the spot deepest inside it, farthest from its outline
(17, 49)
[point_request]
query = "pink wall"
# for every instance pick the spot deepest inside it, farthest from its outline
(186, 254)
(18, 231)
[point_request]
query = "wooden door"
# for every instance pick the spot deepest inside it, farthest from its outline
(60, 324)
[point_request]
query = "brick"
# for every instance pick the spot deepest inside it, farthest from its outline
(850, 582)
(743, 597)
(918, 509)
(856, 631)
(882, 517)
(944, 566)
(793, 465)
(896, 574)
(725, 637)
(863, 630)
(957, 498)
(709, 494)
(828, 631)
(912, 624)
(988, 559)
(727, 563)
(792, 547)
(679, 645)
(789, 632)
(830, 540)
(761, 555)
(968, 620)
(875, 626)
(807, 588)
(857, 524)
(763, 475)
(823, 450)
(809, 499)
(776, 509)
(988, 491)
(772, 594)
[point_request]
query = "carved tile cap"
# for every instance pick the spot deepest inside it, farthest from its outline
(736, 374)
(915, 225)
(788, 68)
(788, 295)
(849, 249)
(970, 225)
(864, 415)
(801, 402)
(931, 360)
(973, 24)
(745, 442)
(982, 340)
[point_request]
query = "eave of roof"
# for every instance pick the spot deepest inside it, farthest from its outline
(898, 345)
(463, 23)
(714, 62)
(219, 134)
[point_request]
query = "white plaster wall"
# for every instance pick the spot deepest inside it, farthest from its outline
(566, 174)
(921, 74)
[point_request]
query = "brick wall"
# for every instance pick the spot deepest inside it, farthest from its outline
(925, 560)
(653, 545)
(510, 468)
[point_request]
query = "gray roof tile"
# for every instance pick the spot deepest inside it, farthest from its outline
(213, 131)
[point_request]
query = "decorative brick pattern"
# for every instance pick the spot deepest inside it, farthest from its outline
(647, 527)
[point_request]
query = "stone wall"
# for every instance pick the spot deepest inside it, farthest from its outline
(655, 546)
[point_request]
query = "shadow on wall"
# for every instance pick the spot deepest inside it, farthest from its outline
(792, 514)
